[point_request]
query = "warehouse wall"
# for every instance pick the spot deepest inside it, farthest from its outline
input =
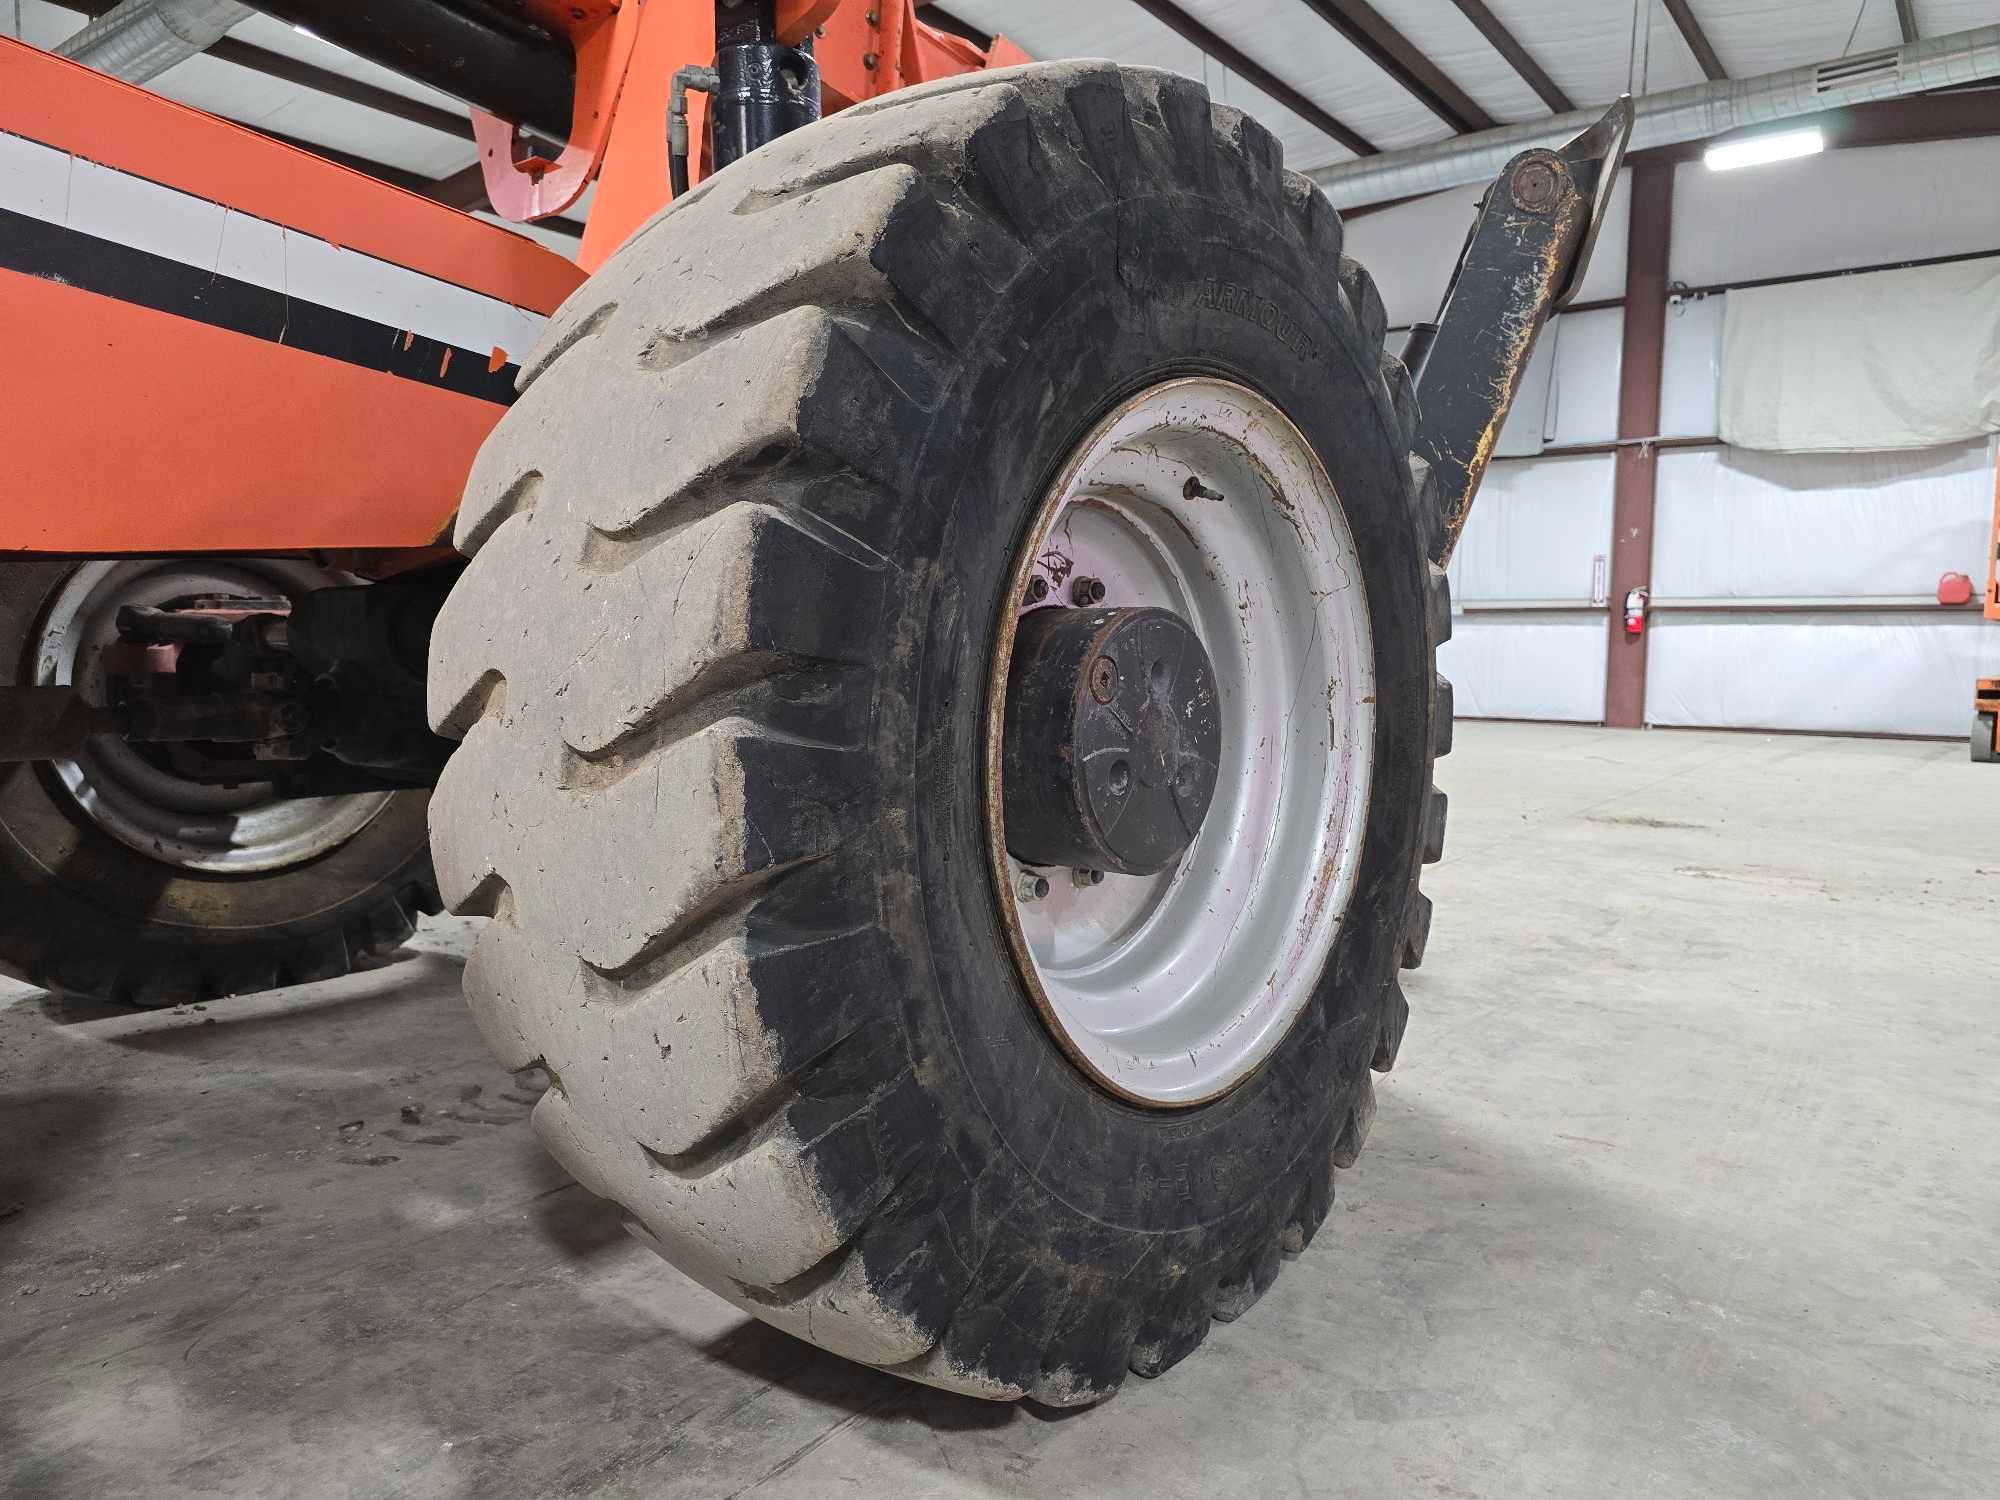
(1791, 591)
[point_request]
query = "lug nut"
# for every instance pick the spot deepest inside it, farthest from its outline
(1083, 880)
(1038, 589)
(1087, 591)
(1030, 886)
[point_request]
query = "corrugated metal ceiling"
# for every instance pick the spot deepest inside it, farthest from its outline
(1584, 46)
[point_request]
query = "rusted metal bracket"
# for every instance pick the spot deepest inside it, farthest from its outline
(1524, 259)
(56, 723)
(50, 723)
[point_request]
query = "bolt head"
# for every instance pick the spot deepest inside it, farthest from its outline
(1103, 679)
(1030, 886)
(1087, 591)
(1083, 880)
(1535, 186)
(1038, 589)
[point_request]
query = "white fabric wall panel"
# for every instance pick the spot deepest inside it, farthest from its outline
(1905, 358)
(1527, 419)
(1583, 398)
(1690, 368)
(1521, 434)
(1537, 531)
(1410, 249)
(1604, 279)
(1859, 207)
(1739, 524)
(1868, 674)
(1527, 666)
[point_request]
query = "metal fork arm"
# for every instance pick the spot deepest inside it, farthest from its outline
(1523, 260)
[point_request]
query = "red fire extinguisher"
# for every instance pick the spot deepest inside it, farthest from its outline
(1635, 612)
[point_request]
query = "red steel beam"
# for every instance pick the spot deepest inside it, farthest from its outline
(1697, 40)
(1256, 74)
(1394, 53)
(1502, 41)
(340, 86)
(1638, 418)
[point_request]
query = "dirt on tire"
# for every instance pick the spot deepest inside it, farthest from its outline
(718, 664)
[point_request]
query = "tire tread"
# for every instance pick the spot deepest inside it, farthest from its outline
(801, 1174)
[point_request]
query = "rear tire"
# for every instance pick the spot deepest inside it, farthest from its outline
(87, 913)
(720, 664)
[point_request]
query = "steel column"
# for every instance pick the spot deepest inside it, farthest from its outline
(1638, 419)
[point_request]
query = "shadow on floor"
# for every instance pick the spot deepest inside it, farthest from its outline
(43, 1132)
(225, 1025)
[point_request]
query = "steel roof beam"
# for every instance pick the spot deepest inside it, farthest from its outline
(1697, 40)
(1256, 74)
(464, 189)
(1501, 40)
(1392, 52)
(340, 86)
(1906, 17)
(320, 80)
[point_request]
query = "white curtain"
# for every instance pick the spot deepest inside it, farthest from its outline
(1731, 523)
(1898, 672)
(1887, 359)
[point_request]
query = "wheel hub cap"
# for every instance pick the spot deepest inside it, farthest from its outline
(138, 797)
(1173, 919)
(1112, 737)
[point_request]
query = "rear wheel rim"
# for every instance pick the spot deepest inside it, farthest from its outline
(190, 825)
(1200, 496)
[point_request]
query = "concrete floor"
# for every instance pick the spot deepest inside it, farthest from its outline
(1685, 1184)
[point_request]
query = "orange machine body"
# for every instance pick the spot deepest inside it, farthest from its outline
(217, 342)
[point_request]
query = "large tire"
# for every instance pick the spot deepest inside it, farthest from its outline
(719, 665)
(83, 913)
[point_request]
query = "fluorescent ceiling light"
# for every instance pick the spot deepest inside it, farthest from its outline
(1758, 149)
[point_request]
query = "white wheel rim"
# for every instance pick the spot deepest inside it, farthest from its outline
(1172, 989)
(192, 825)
